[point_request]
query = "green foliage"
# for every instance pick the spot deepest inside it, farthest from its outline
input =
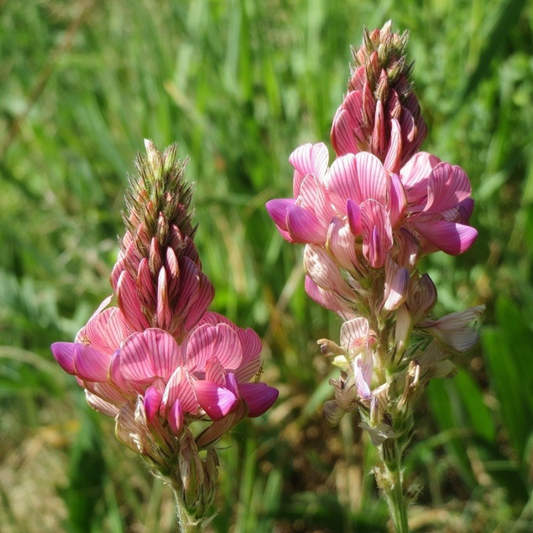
(239, 84)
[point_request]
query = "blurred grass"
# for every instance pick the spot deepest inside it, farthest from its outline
(239, 84)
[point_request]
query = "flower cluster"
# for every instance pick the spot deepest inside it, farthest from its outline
(173, 375)
(366, 221)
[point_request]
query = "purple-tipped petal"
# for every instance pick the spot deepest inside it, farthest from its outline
(450, 237)
(277, 209)
(354, 217)
(179, 387)
(377, 232)
(304, 227)
(259, 397)
(152, 401)
(64, 355)
(175, 417)
(90, 364)
(216, 401)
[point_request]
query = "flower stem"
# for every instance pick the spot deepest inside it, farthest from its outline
(391, 483)
(186, 522)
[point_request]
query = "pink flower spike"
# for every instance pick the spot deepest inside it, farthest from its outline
(64, 355)
(450, 237)
(259, 397)
(216, 401)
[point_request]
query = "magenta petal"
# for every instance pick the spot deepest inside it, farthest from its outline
(343, 181)
(175, 417)
(64, 355)
(216, 401)
(304, 227)
(354, 217)
(277, 209)
(259, 397)
(180, 388)
(152, 400)
(450, 237)
(90, 364)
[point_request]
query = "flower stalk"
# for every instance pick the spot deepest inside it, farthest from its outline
(366, 222)
(173, 375)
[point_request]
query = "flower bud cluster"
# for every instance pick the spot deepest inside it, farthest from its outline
(174, 376)
(366, 221)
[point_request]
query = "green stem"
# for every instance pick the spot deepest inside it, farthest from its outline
(392, 486)
(186, 522)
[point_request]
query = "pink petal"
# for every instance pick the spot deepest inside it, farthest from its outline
(251, 350)
(175, 417)
(327, 299)
(219, 427)
(396, 285)
(397, 202)
(414, 175)
(342, 137)
(204, 296)
(372, 178)
(152, 353)
(394, 150)
(180, 388)
(277, 209)
(324, 272)
(100, 405)
(343, 182)
(218, 341)
(129, 303)
(363, 375)
(354, 217)
(214, 372)
(377, 232)
(341, 244)
(216, 401)
(152, 401)
(163, 311)
(259, 397)
(304, 227)
(452, 238)
(64, 355)
(310, 159)
(447, 187)
(90, 364)
(354, 334)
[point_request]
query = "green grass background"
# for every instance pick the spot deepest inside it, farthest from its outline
(239, 84)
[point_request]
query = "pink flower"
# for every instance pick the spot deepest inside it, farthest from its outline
(439, 205)
(207, 376)
(352, 208)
